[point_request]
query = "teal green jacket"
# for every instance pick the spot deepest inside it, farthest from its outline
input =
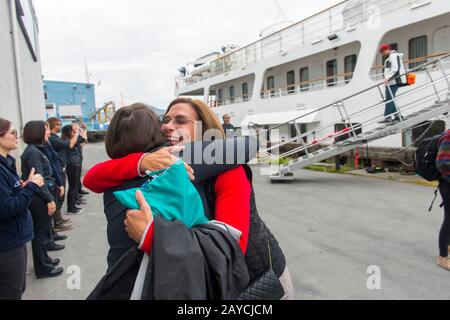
(169, 193)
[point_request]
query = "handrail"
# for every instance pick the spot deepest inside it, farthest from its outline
(352, 95)
(347, 74)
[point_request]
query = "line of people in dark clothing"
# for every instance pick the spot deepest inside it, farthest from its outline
(31, 204)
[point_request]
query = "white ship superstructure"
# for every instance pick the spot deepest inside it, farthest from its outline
(319, 60)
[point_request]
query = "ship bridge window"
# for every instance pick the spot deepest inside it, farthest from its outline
(271, 85)
(331, 73)
(350, 65)
(417, 48)
(245, 91)
(290, 76)
(232, 94)
(304, 78)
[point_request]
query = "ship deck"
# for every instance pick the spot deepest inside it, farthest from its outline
(331, 227)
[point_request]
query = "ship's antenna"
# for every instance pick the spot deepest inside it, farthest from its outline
(88, 80)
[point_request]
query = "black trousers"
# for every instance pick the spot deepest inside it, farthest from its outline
(60, 201)
(73, 176)
(444, 234)
(13, 269)
(80, 185)
(42, 225)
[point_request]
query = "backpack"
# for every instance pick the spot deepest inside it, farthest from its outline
(425, 159)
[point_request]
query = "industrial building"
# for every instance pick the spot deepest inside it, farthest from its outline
(69, 100)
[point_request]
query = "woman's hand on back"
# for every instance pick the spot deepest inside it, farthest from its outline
(163, 159)
(137, 221)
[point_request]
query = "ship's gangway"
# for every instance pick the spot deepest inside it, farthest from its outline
(424, 101)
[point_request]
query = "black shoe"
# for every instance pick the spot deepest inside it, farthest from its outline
(80, 202)
(55, 261)
(83, 192)
(75, 210)
(54, 247)
(59, 237)
(386, 120)
(54, 273)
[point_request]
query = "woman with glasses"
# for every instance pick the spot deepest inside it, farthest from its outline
(229, 196)
(16, 225)
(43, 205)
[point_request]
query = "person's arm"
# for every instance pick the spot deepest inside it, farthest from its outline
(58, 144)
(211, 158)
(112, 173)
(231, 153)
(34, 161)
(233, 191)
(14, 204)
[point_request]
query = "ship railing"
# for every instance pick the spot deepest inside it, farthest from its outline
(433, 89)
(341, 79)
(323, 26)
(214, 103)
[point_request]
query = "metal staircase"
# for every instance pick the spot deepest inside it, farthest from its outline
(421, 102)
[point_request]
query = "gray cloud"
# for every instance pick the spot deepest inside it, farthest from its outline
(135, 47)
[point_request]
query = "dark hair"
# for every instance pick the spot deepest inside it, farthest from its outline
(204, 114)
(133, 129)
(66, 132)
(52, 122)
(4, 126)
(34, 132)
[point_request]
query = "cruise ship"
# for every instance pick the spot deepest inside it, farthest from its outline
(317, 81)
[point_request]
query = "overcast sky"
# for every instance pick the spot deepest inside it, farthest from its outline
(135, 47)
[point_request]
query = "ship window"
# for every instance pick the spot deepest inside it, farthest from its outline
(350, 65)
(245, 91)
(232, 94)
(417, 49)
(301, 126)
(290, 81)
(220, 95)
(331, 73)
(304, 78)
(45, 96)
(271, 85)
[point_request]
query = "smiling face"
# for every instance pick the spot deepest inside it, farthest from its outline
(178, 124)
(9, 141)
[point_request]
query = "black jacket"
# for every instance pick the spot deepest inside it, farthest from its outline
(51, 154)
(259, 236)
(202, 263)
(34, 157)
(16, 225)
(60, 147)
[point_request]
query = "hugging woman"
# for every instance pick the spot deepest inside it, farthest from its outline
(228, 196)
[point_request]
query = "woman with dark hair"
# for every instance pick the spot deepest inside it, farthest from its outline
(43, 205)
(73, 169)
(16, 225)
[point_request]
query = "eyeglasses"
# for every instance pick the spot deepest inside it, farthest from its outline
(14, 133)
(178, 120)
